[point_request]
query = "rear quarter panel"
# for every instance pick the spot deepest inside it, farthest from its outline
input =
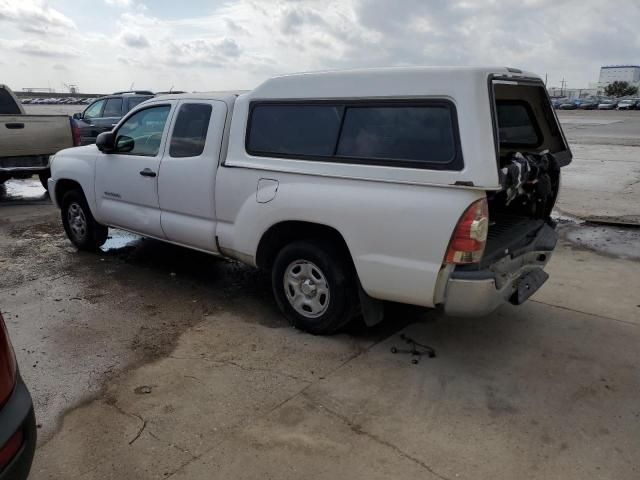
(397, 234)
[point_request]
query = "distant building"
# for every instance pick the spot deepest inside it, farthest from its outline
(619, 73)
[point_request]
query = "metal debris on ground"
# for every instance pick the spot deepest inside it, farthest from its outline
(417, 350)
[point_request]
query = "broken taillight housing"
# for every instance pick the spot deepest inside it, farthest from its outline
(75, 131)
(470, 236)
(8, 367)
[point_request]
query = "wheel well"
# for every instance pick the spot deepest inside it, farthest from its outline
(63, 186)
(281, 234)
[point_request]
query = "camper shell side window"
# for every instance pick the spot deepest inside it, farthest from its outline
(413, 134)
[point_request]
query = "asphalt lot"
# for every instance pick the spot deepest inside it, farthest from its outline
(151, 361)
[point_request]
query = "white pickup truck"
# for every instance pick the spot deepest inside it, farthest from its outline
(427, 186)
(27, 141)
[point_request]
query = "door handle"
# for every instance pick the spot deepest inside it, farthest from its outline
(147, 172)
(14, 126)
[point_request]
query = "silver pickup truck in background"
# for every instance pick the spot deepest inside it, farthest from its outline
(27, 141)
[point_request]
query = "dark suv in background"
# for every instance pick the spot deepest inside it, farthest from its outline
(103, 114)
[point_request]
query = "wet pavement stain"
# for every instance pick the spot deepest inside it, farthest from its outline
(610, 239)
(29, 190)
(619, 242)
(119, 240)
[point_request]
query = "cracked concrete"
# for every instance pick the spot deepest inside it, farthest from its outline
(538, 391)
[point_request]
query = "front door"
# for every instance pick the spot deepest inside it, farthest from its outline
(89, 130)
(127, 180)
(187, 180)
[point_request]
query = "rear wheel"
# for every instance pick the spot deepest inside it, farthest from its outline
(314, 286)
(82, 229)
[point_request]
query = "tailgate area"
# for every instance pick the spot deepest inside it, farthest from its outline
(513, 235)
(510, 271)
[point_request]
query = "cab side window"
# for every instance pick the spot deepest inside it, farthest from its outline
(190, 130)
(94, 110)
(7, 105)
(141, 133)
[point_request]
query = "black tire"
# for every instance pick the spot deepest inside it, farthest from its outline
(44, 178)
(329, 269)
(82, 229)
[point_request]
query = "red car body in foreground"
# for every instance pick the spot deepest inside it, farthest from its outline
(17, 420)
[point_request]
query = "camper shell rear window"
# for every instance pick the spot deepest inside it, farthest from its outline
(524, 120)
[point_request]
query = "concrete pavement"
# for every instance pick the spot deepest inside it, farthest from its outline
(538, 391)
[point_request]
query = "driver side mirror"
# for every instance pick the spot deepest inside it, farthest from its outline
(106, 142)
(124, 144)
(77, 116)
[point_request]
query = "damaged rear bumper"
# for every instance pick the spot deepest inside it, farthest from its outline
(513, 278)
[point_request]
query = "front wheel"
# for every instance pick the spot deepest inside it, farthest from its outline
(82, 229)
(314, 286)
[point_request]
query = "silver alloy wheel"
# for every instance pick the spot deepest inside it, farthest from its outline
(306, 288)
(77, 221)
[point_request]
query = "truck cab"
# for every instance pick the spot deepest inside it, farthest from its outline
(426, 186)
(27, 141)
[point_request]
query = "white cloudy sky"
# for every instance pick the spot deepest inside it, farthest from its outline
(104, 45)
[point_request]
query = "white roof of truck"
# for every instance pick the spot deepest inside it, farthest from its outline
(367, 82)
(380, 82)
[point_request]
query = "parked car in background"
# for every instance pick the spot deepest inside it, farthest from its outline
(629, 104)
(104, 113)
(556, 102)
(17, 419)
(297, 175)
(27, 141)
(588, 105)
(568, 105)
(607, 105)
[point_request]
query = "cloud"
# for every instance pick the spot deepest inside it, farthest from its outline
(294, 18)
(134, 40)
(119, 3)
(252, 40)
(209, 53)
(38, 48)
(61, 67)
(34, 16)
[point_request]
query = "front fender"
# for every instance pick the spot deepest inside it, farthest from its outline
(77, 165)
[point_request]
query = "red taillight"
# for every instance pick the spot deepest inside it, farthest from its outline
(75, 130)
(470, 236)
(8, 450)
(8, 367)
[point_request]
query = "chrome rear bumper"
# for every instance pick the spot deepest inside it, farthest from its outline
(511, 279)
